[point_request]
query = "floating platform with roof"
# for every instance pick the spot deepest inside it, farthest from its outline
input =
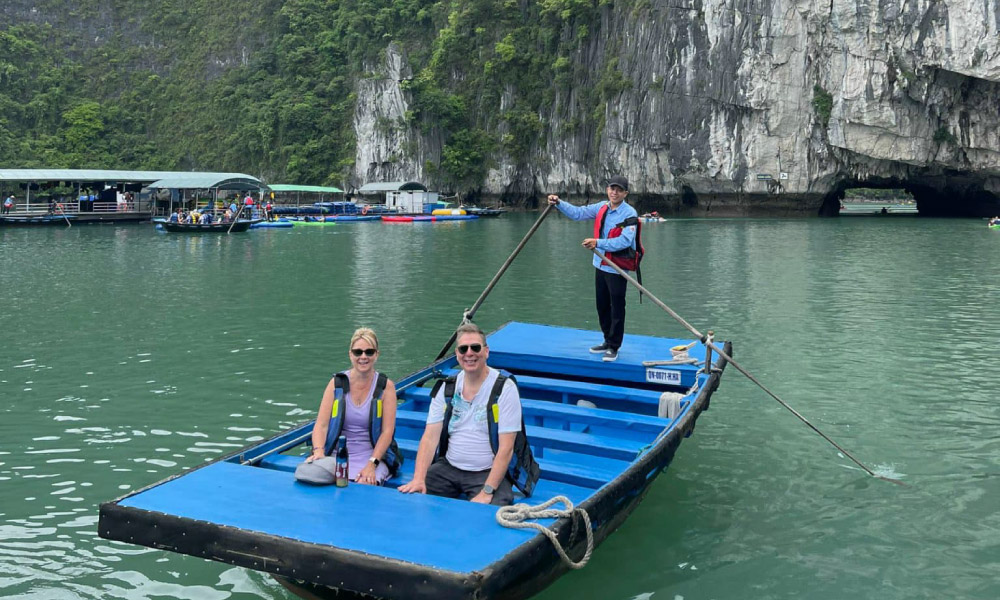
(601, 433)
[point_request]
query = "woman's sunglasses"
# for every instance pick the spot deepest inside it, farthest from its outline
(366, 351)
(466, 347)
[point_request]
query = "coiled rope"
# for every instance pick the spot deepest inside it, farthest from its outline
(519, 515)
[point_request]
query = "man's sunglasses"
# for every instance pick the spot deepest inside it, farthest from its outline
(366, 351)
(466, 347)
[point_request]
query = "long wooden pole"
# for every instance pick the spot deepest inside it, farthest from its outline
(482, 297)
(704, 339)
(235, 218)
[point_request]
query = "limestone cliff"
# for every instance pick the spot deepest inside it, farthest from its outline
(737, 107)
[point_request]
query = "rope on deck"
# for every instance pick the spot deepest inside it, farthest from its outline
(516, 517)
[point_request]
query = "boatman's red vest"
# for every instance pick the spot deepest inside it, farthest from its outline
(629, 258)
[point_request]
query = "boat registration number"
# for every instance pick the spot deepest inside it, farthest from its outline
(663, 376)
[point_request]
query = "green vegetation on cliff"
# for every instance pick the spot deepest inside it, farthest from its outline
(268, 87)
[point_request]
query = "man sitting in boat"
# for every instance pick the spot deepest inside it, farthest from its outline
(995, 221)
(175, 217)
(483, 450)
(359, 403)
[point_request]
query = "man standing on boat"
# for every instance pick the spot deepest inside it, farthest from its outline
(484, 432)
(614, 233)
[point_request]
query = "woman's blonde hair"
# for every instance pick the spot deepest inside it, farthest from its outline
(366, 334)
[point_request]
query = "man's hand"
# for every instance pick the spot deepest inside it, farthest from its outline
(553, 199)
(418, 487)
(482, 498)
(590, 243)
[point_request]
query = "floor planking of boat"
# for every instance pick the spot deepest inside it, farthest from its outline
(174, 227)
(38, 220)
(246, 509)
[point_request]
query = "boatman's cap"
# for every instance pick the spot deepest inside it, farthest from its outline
(620, 181)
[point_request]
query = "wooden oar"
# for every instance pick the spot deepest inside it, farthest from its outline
(482, 297)
(68, 224)
(235, 218)
(705, 340)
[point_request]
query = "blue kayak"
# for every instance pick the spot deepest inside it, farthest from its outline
(601, 433)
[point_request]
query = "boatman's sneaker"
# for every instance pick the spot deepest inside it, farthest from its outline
(610, 355)
(600, 348)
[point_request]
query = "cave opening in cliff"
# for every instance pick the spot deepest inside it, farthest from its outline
(858, 200)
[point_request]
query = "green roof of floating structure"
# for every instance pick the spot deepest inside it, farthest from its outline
(208, 181)
(35, 175)
(288, 187)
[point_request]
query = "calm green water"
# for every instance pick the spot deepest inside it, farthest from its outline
(127, 355)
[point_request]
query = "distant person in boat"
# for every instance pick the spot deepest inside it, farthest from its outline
(615, 235)
(468, 463)
(885, 210)
(8, 204)
(359, 403)
(995, 221)
(175, 217)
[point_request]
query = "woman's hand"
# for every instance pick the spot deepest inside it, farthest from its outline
(367, 475)
(317, 453)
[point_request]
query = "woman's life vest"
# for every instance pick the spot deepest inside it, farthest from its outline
(630, 258)
(393, 458)
(522, 471)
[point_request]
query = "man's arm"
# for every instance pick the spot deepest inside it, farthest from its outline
(499, 469)
(618, 243)
(577, 213)
(425, 454)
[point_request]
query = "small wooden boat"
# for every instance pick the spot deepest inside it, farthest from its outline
(279, 224)
(484, 212)
(174, 227)
(37, 220)
(601, 433)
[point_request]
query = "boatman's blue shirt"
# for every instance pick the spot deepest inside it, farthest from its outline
(614, 217)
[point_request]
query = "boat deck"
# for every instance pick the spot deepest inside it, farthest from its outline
(579, 447)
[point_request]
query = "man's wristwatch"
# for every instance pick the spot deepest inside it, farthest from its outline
(489, 490)
(374, 461)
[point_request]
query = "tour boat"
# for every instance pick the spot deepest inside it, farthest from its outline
(601, 433)
(215, 227)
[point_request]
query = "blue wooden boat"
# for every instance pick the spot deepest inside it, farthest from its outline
(598, 430)
(278, 224)
(37, 220)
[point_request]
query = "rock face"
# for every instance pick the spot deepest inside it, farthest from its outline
(740, 107)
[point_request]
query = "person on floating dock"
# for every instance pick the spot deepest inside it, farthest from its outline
(359, 403)
(469, 464)
(615, 229)
(8, 204)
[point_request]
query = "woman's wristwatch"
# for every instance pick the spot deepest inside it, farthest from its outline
(489, 490)
(374, 461)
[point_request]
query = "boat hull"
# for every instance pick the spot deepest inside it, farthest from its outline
(237, 227)
(39, 221)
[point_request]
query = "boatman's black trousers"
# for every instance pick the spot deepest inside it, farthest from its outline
(610, 291)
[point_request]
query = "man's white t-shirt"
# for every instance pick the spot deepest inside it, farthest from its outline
(468, 432)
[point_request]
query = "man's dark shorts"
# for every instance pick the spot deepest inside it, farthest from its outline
(445, 480)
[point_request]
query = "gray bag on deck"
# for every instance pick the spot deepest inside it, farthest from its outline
(321, 471)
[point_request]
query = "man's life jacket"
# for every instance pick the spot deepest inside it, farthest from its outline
(630, 258)
(393, 458)
(522, 471)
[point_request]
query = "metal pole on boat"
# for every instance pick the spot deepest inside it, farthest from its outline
(489, 288)
(709, 344)
(710, 338)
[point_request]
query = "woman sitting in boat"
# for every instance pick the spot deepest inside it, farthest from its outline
(359, 403)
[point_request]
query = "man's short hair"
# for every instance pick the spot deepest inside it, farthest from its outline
(469, 328)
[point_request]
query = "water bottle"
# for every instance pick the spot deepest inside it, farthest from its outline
(343, 469)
